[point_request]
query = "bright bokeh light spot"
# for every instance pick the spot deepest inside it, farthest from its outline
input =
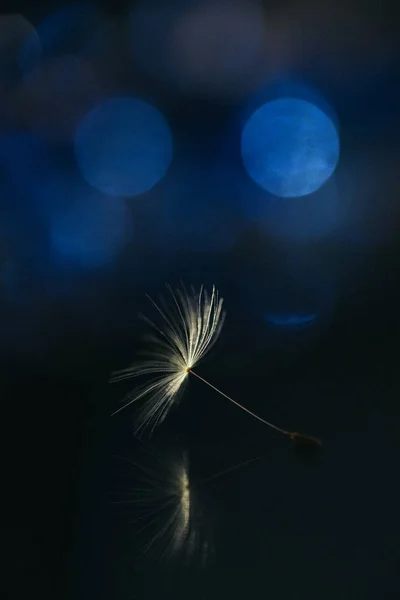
(123, 147)
(290, 147)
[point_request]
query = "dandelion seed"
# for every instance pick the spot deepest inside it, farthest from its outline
(189, 328)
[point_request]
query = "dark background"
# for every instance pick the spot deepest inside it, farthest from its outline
(285, 526)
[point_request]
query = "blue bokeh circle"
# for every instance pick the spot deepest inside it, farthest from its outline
(123, 147)
(290, 147)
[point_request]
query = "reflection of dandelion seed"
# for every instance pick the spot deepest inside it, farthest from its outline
(164, 509)
(191, 327)
(163, 502)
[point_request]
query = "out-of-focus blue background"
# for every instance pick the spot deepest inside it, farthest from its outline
(250, 145)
